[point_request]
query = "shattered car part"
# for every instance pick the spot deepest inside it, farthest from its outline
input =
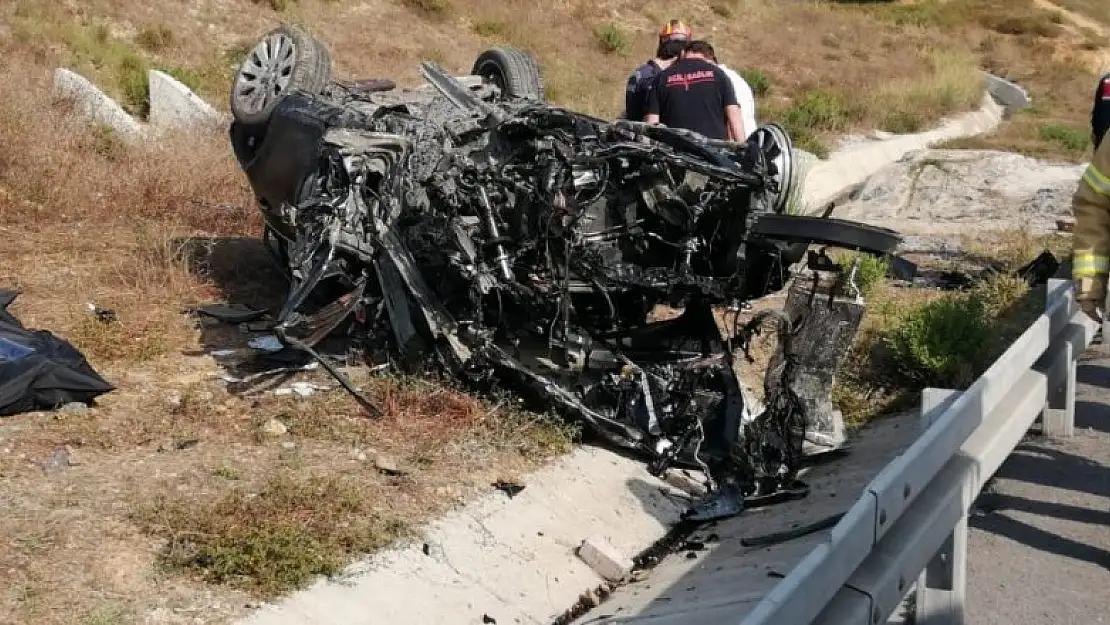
(477, 230)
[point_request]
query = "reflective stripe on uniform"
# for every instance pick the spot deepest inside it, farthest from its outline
(1089, 265)
(1098, 182)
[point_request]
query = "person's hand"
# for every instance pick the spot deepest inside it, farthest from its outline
(1090, 308)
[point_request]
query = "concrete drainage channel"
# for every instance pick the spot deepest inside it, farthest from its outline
(581, 526)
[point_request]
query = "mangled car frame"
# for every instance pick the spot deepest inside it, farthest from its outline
(469, 226)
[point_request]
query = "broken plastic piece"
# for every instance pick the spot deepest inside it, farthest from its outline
(266, 343)
(724, 503)
(228, 313)
(790, 534)
(509, 488)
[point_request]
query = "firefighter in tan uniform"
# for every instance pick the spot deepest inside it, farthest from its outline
(1091, 243)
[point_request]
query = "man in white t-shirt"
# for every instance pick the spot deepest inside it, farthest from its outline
(744, 95)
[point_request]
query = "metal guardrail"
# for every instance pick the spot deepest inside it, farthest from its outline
(910, 524)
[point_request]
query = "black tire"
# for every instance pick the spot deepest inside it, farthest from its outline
(513, 70)
(285, 59)
(851, 235)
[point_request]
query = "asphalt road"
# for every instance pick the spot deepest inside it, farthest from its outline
(1039, 548)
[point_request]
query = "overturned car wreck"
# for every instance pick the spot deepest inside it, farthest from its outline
(470, 227)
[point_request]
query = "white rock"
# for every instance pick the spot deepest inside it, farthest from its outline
(273, 427)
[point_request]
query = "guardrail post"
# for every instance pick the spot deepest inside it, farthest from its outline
(1058, 416)
(942, 585)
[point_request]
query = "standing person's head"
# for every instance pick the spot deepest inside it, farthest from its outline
(700, 50)
(673, 38)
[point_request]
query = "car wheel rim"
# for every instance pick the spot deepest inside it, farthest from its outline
(777, 147)
(266, 72)
(492, 75)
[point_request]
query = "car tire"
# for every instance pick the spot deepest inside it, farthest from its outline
(285, 59)
(513, 70)
(778, 149)
(835, 232)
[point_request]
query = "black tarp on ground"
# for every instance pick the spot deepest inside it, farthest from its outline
(39, 371)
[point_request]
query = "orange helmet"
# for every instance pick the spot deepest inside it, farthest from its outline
(675, 30)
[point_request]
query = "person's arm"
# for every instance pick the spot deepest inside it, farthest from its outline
(733, 120)
(735, 123)
(631, 94)
(653, 104)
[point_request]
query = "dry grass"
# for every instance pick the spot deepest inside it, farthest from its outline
(914, 61)
(171, 468)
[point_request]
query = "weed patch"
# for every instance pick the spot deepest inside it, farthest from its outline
(277, 539)
(759, 81)
(611, 38)
(948, 342)
(490, 28)
(1067, 137)
(155, 38)
(435, 8)
(871, 272)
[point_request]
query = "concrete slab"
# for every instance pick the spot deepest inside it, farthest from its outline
(726, 580)
(513, 560)
(173, 106)
(94, 105)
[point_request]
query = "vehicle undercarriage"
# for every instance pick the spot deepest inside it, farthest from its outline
(471, 228)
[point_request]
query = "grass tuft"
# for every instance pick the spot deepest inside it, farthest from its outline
(436, 8)
(949, 341)
(759, 81)
(273, 540)
(155, 38)
(611, 38)
(872, 271)
(1066, 136)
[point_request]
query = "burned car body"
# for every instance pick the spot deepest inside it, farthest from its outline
(471, 227)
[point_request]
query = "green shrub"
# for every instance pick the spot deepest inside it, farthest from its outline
(903, 122)
(950, 341)
(821, 109)
(131, 72)
(1067, 137)
(611, 38)
(872, 272)
(757, 80)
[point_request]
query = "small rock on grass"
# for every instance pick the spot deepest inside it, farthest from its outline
(59, 460)
(389, 465)
(273, 427)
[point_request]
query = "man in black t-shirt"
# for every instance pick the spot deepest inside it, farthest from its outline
(695, 94)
